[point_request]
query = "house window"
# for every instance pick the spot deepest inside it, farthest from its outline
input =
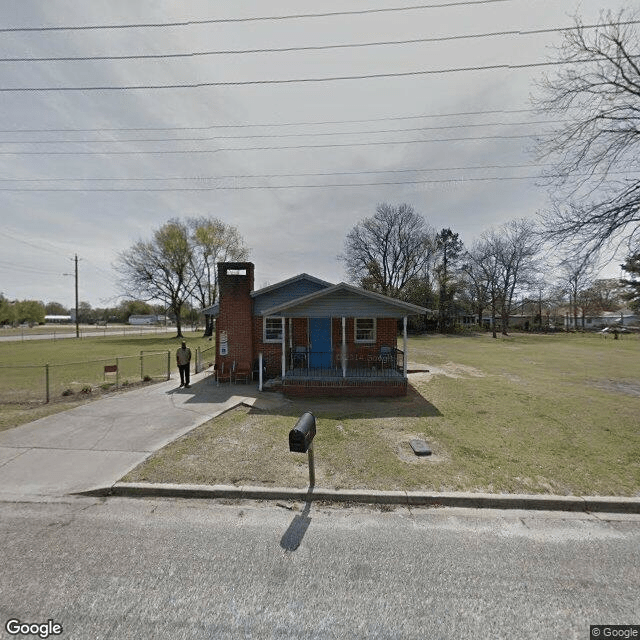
(273, 330)
(365, 329)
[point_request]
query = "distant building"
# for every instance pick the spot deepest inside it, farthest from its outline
(145, 319)
(57, 319)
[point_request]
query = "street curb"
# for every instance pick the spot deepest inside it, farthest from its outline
(596, 504)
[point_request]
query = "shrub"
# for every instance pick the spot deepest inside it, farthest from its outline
(67, 392)
(86, 389)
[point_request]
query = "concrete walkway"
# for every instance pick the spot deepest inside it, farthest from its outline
(96, 444)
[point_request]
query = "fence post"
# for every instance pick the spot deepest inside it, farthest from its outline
(117, 373)
(46, 377)
(141, 366)
(197, 360)
(168, 365)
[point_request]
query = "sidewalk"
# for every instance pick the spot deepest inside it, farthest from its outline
(94, 445)
(86, 450)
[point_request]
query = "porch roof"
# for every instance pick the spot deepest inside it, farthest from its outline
(344, 300)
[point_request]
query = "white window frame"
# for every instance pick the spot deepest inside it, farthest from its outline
(369, 340)
(274, 319)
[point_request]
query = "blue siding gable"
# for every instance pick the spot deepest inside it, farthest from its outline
(286, 291)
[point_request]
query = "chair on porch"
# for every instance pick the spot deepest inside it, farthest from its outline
(299, 356)
(387, 356)
(222, 375)
(241, 371)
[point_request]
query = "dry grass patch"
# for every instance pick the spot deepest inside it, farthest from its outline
(526, 414)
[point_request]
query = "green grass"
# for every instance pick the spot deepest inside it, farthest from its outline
(77, 364)
(526, 414)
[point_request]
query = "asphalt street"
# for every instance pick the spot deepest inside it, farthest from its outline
(120, 568)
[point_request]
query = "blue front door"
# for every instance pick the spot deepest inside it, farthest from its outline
(320, 340)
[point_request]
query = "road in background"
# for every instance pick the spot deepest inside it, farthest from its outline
(88, 332)
(139, 568)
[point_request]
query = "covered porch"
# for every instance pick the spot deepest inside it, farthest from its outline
(340, 341)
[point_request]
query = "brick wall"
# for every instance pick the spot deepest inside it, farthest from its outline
(344, 388)
(235, 284)
(272, 351)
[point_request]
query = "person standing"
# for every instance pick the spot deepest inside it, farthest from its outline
(183, 358)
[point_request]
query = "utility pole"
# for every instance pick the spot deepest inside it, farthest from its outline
(75, 274)
(77, 317)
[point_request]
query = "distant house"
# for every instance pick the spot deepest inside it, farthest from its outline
(57, 319)
(319, 338)
(621, 318)
(145, 319)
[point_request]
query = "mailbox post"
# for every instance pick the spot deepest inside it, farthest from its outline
(301, 441)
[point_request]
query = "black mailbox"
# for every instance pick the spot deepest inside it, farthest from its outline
(301, 435)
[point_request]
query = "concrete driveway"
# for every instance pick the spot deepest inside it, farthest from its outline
(94, 445)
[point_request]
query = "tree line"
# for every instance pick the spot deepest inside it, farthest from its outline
(33, 312)
(396, 252)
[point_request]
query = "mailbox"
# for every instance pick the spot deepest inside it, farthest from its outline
(301, 436)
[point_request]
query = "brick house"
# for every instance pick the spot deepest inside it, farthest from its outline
(319, 338)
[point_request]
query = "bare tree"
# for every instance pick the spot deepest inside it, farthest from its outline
(387, 251)
(505, 258)
(576, 277)
(159, 269)
(212, 241)
(476, 283)
(597, 93)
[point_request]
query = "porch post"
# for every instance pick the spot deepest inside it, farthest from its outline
(284, 345)
(344, 347)
(404, 344)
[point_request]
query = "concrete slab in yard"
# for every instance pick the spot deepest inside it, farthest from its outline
(420, 447)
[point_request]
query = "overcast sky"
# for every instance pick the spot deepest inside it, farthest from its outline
(93, 171)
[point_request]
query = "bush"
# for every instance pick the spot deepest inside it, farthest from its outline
(86, 389)
(67, 392)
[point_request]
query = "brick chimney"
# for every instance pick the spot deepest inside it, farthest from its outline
(235, 317)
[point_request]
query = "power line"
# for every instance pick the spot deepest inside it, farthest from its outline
(194, 54)
(243, 83)
(285, 175)
(11, 266)
(301, 186)
(31, 244)
(276, 124)
(189, 23)
(287, 135)
(289, 147)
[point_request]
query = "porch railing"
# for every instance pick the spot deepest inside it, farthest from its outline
(389, 363)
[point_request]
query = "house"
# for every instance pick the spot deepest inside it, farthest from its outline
(319, 338)
(621, 318)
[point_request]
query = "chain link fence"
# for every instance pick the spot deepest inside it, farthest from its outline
(204, 358)
(43, 383)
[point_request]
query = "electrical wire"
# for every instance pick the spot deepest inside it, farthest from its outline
(286, 135)
(282, 81)
(277, 124)
(189, 23)
(280, 148)
(195, 54)
(284, 175)
(460, 180)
